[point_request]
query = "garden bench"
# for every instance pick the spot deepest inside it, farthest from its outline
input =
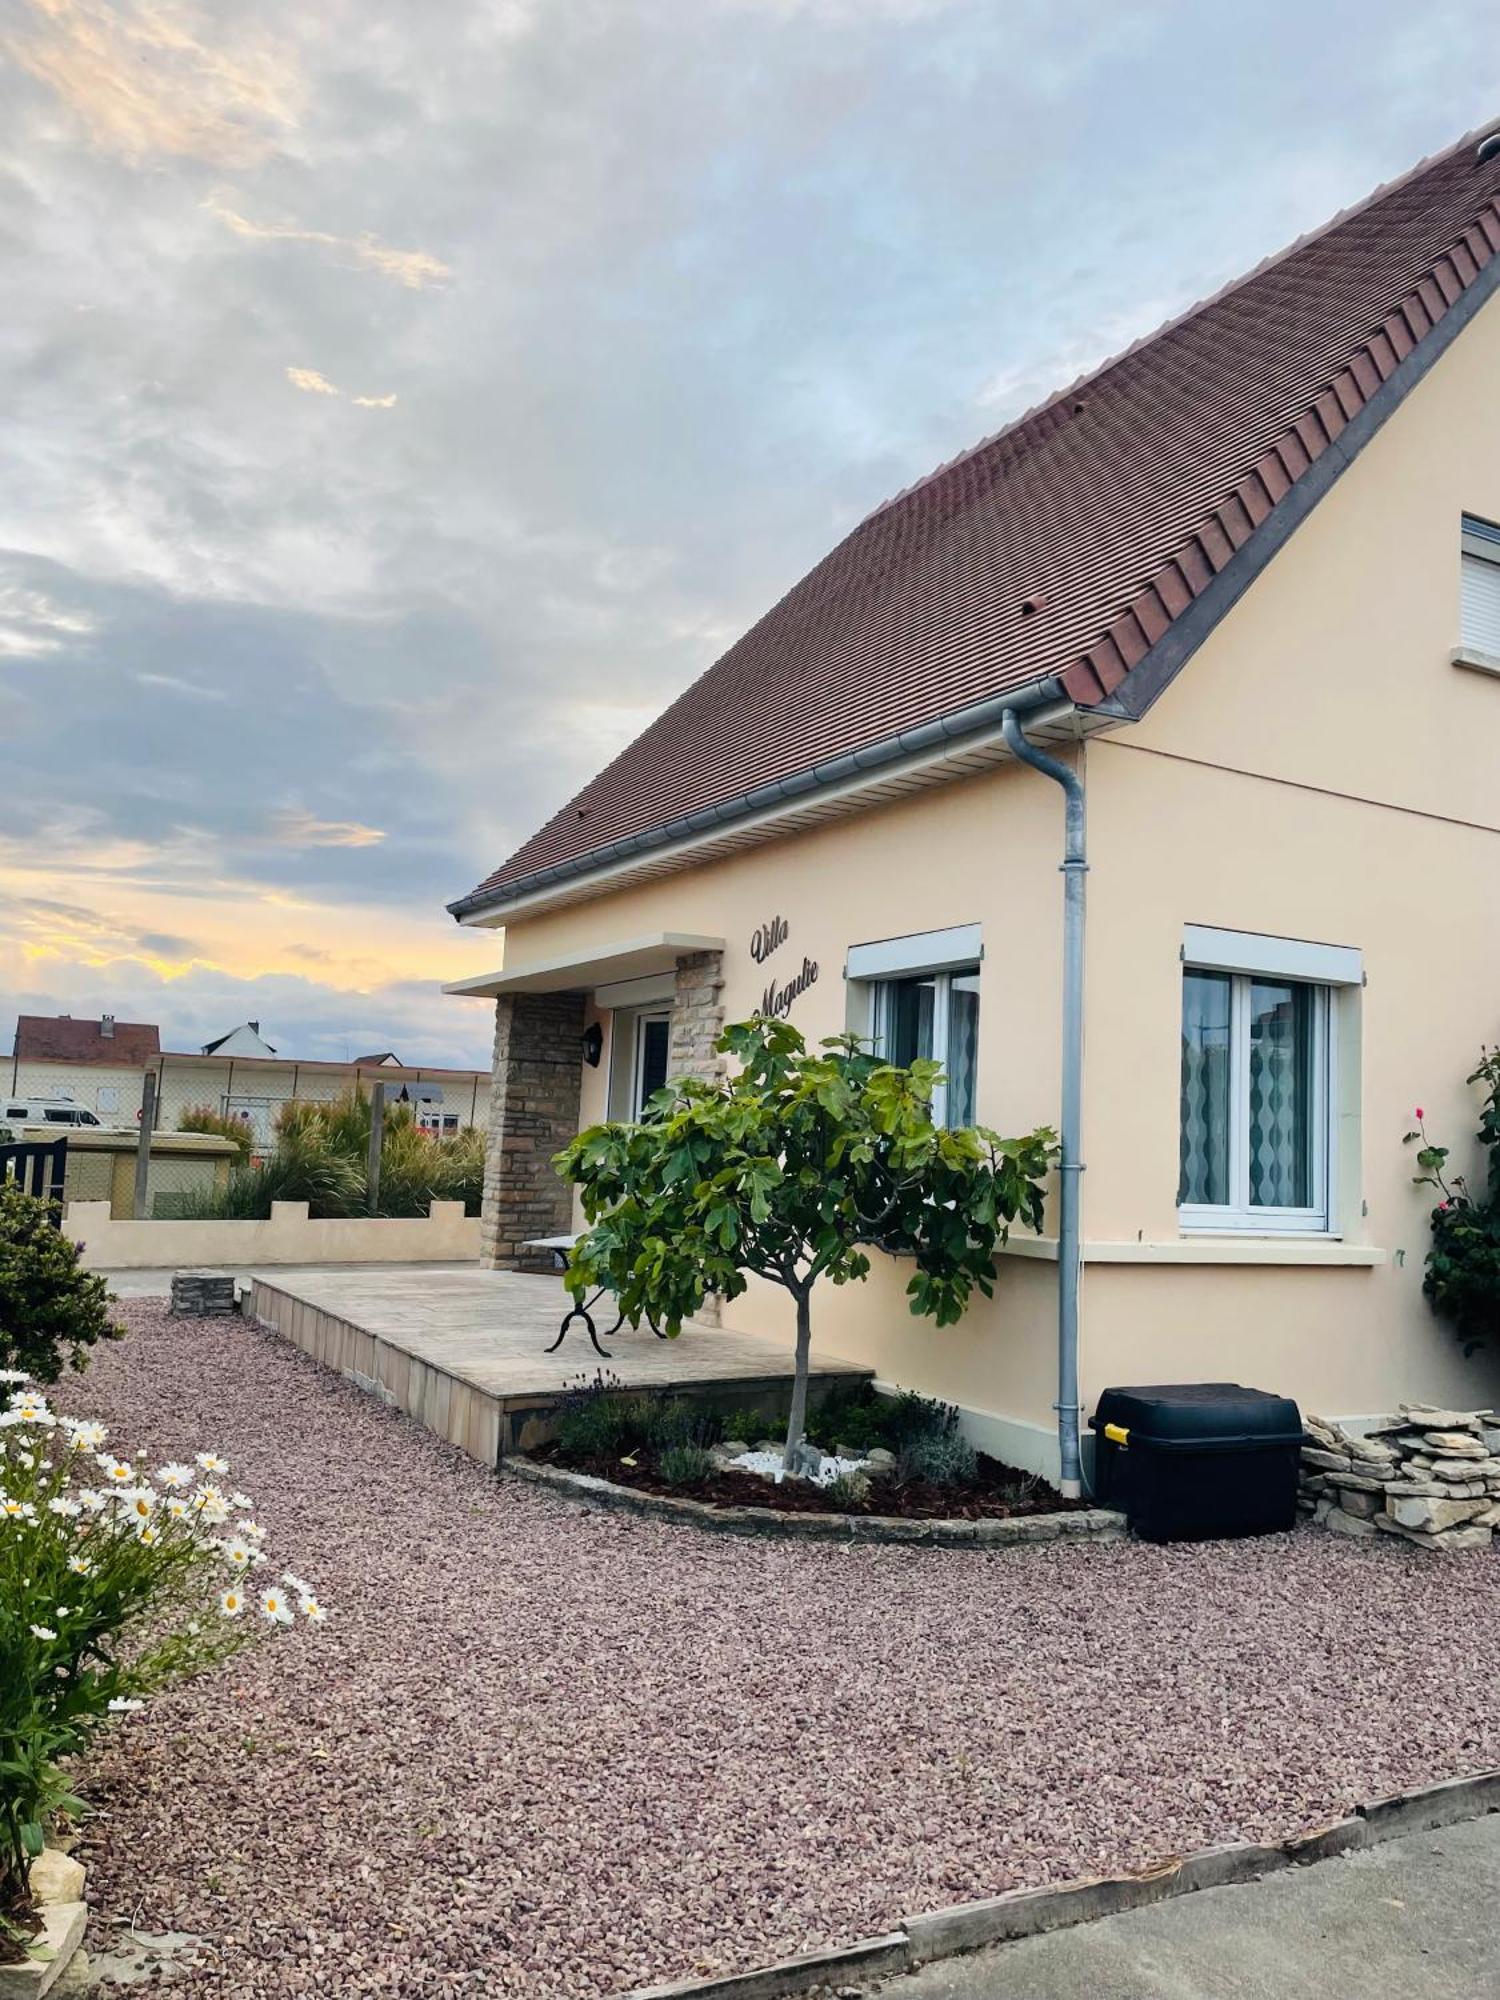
(560, 1246)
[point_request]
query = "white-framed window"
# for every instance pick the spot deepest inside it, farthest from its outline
(918, 996)
(1259, 1081)
(934, 1015)
(1479, 588)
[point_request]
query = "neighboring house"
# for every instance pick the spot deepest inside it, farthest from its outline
(96, 1063)
(1244, 580)
(246, 1040)
(102, 1065)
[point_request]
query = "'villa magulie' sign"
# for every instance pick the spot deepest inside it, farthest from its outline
(777, 1000)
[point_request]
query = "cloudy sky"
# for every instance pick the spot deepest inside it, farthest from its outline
(402, 399)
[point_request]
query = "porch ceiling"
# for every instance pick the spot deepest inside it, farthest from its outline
(634, 958)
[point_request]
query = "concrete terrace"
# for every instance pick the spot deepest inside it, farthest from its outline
(462, 1351)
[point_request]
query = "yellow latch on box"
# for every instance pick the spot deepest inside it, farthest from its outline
(1117, 1434)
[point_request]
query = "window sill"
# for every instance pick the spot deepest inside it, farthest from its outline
(1477, 661)
(1325, 1251)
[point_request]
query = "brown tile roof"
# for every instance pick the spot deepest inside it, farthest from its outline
(61, 1039)
(1067, 545)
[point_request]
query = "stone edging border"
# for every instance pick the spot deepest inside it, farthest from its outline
(1094, 1524)
(57, 1882)
(1022, 1913)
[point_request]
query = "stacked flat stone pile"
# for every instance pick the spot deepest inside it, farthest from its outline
(1431, 1476)
(197, 1294)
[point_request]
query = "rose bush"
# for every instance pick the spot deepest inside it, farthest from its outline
(1462, 1279)
(115, 1581)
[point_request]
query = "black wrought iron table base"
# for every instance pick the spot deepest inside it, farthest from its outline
(585, 1313)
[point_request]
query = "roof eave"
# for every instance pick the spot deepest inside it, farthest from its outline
(874, 762)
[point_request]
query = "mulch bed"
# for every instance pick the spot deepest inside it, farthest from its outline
(992, 1497)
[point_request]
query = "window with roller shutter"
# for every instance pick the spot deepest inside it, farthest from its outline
(1479, 629)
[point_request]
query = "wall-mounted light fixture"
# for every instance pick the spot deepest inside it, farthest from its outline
(593, 1044)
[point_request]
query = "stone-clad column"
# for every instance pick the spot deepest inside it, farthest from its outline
(697, 1023)
(697, 1015)
(534, 1098)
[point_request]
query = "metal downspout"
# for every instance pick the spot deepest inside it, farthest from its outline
(1069, 1247)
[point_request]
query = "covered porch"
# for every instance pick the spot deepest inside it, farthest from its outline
(464, 1352)
(581, 1038)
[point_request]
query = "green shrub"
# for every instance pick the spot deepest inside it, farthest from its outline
(746, 1426)
(203, 1118)
(51, 1311)
(1462, 1279)
(683, 1464)
(681, 1420)
(941, 1458)
(913, 1417)
(113, 1583)
(850, 1492)
(595, 1421)
(858, 1417)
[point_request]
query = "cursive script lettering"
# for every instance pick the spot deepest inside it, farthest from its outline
(777, 1000)
(765, 940)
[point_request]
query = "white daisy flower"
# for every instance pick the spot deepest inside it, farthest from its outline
(27, 1460)
(79, 1565)
(211, 1506)
(295, 1583)
(311, 1610)
(124, 1704)
(116, 1470)
(16, 1510)
(62, 1505)
(177, 1507)
(242, 1501)
(92, 1501)
(87, 1435)
(137, 1501)
(274, 1607)
(239, 1555)
(14, 1375)
(147, 1534)
(209, 1461)
(29, 1409)
(253, 1531)
(231, 1603)
(176, 1475)
(43, 1632)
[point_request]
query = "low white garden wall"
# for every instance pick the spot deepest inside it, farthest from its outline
(291, 1236)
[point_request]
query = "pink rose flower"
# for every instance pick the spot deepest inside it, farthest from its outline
(1420, 1112)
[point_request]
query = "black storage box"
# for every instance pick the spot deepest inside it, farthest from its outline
(1194, 1461)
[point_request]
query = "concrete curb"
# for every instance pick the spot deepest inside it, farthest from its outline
(1086, 1524)
(792, 1975)
(1021, 1913)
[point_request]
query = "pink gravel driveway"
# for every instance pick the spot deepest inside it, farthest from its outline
(548, 1753)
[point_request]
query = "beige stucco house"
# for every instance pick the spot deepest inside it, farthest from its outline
(1244, 581)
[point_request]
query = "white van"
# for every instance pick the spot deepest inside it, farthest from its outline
(19, 1111)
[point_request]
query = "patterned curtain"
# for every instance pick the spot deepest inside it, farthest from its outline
(961, 1065)
(1204, 1170)
(1281, 1088)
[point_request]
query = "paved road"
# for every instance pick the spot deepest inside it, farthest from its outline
(1413, 1917)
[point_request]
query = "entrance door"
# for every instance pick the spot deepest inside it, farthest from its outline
(652, 1036)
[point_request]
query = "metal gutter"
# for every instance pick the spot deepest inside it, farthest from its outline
(874, 760)
(1075, 867)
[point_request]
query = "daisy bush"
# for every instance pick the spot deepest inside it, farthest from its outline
(116, 1579)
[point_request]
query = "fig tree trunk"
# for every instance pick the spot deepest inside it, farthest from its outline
(797, 1421)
